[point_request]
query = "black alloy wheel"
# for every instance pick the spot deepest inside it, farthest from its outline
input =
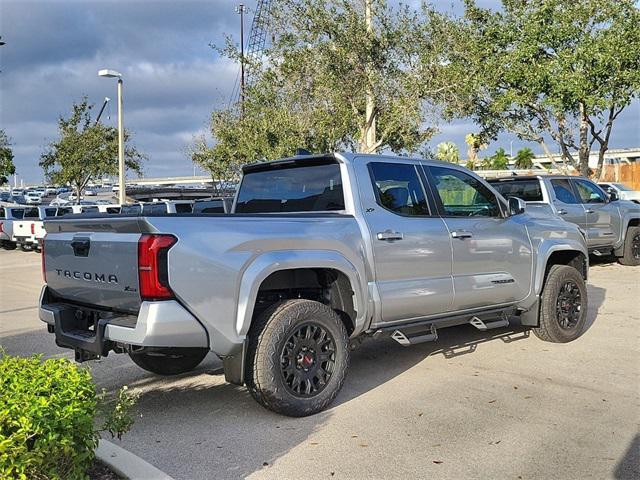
(568, 305)
(307, 360)
(635, 246)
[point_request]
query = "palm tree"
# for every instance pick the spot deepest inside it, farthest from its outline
(499, 160)
(524, 158)
(448, 152)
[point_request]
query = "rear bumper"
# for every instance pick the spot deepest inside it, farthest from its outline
(23, 240)
(157, 324)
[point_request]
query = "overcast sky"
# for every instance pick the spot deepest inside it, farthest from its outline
(173, 80)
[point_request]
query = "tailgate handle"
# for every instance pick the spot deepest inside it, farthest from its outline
(81, 247)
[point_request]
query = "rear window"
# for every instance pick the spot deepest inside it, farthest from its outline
(130, 209)
(63, 211)
(31, 213)
(316, 188)
(2, 215)
(527, 190)
(17, 213)
(183, 208)
(154, 208)
(213, 206)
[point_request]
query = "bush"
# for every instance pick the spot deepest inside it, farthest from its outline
(47, 411)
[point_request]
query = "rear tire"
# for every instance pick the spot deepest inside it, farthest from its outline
(297, 357)
(170, 361)
(563, 306)
(631, 250)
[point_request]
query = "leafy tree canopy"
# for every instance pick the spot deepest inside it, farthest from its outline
(559, 69)
(6, 158)
(524, 158)
(448, 152)
(85, 150)
(308, 90)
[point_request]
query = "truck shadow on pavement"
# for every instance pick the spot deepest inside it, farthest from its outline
(196, 426)
(629, 466)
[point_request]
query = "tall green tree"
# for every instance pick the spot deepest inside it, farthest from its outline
(85, 150)
(448, 152)
(309, 89)
(562, 70)
(6, 158)
(524, 158)
(499, 160)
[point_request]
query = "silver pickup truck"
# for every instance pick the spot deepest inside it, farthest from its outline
(611, 225)
(319, 253)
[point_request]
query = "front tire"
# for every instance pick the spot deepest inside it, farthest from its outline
(563, 306)
(631, 250)
(170, 361)
(297, 357)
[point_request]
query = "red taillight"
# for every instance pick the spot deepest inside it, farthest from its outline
(33, 228)
(1, 227)
(44, 266)
(153, 271)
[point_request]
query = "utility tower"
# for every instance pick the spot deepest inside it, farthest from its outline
(259, 32)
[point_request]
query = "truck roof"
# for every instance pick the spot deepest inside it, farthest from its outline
(339, 157)
(515, 178)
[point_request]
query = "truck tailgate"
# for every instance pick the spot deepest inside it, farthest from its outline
(93, 268)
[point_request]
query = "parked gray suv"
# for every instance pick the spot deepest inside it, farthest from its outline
(612, 226)
(319, 253)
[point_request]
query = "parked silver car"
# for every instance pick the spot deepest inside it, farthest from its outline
(610, 225)
(622, 191)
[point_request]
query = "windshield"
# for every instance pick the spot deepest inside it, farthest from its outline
(313, 188)
(527, 190)
(623, 187)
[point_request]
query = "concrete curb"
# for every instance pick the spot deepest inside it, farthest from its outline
(126, 464)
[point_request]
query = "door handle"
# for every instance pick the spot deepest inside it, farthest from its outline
(562, 211)
(588, 210)
(461, 234)
(390, 235)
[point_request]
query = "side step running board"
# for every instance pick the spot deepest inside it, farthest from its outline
(480, 325)
(420, 337)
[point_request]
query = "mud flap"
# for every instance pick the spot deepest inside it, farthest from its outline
(531, 317)
(234, 366)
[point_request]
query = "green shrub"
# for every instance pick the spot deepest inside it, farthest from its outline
(47, 411)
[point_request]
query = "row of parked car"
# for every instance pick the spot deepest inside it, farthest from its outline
(22, 226)
(30, 196)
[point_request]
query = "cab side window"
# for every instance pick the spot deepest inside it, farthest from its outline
(462, 195)
(589, 193)
(398, 188)
(563, 191)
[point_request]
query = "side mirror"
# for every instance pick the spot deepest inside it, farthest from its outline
(613, 195)
(516, 206)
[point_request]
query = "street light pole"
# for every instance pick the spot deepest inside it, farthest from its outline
(121, 170)
(241, 9)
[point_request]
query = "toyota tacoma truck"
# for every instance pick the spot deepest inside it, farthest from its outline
(612, 225)
(318, 253)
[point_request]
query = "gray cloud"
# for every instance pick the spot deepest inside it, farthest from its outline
(173, 80)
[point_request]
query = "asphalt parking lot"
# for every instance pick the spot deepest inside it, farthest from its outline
(500, 404)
